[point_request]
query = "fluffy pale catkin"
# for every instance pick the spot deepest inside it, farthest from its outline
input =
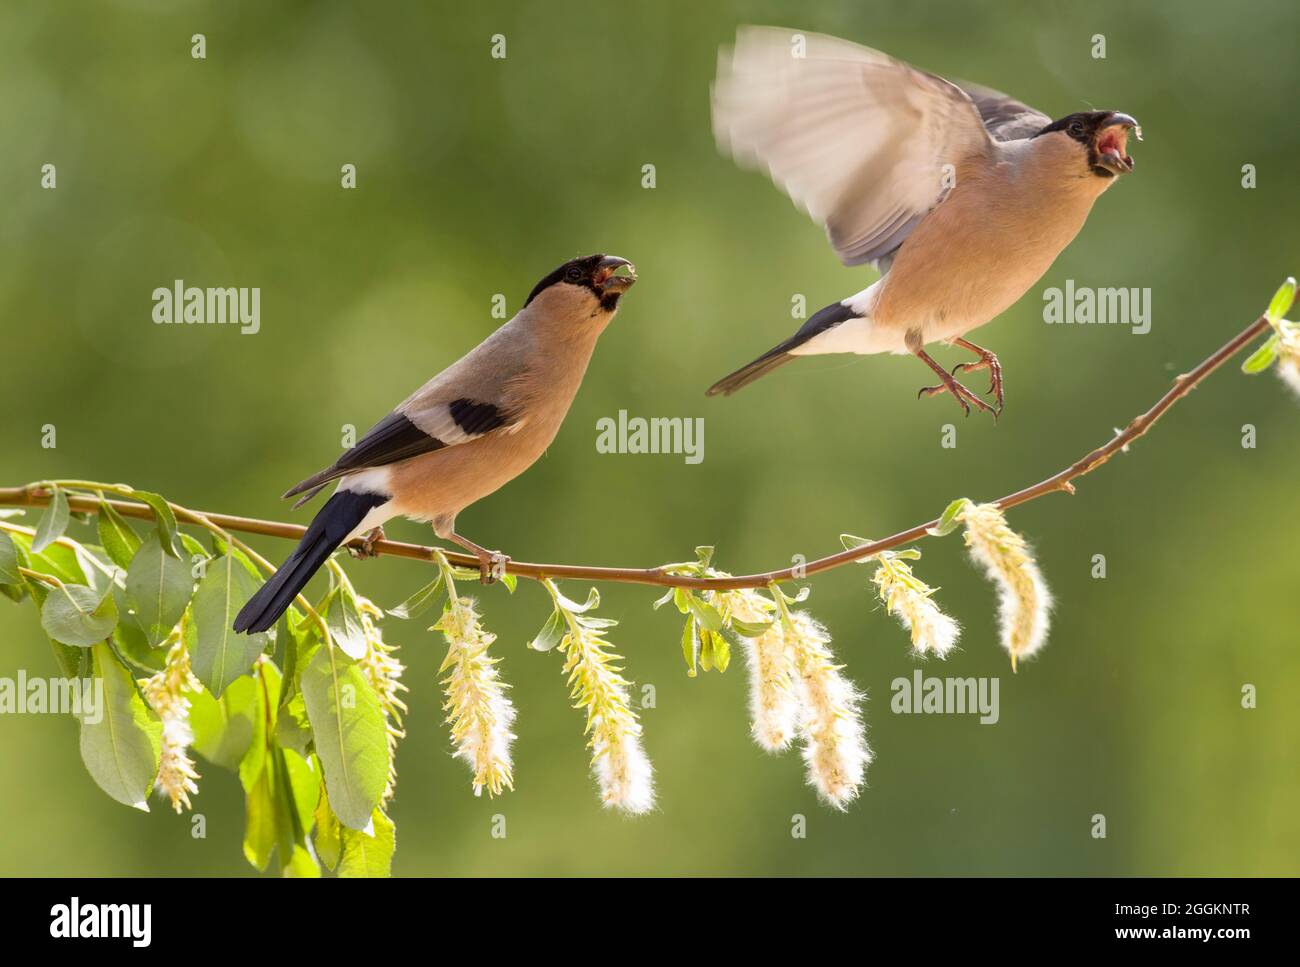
(773, 701)
(618, 760)
(1288, 353)
(478, 711)
(596, 684)
(911, 601)
(1023, 598)
(165, 693)
(830, 723)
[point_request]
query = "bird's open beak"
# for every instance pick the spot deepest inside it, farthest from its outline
(606, 279)
(1112, 143)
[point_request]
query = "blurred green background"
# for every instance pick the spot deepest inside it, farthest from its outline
(478, 176)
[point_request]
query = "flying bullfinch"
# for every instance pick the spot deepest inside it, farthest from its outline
(961, 196)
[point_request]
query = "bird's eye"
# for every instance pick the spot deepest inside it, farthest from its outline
(1076, 128)
(573, 274)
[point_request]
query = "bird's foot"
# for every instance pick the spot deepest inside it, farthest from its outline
(367, 546)
(491, 564)
(987, 360)
(964, 397)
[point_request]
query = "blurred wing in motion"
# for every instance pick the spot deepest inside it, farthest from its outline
(857, 139)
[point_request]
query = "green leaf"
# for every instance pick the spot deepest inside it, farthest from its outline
(369, 854)
(750, 629)
(798, 598)
(222, 547)
(343, 617)
(1282, 300)
(292, 730)
(77, 615)
(292, 636)
(1262, 358)
(101, 573)
(162, 512)
(57, 560)
(9, 560)
(281, 786)
(195, 549)
(705, 613)
(121, 746)
(690, 647)
(224, 728)
(220, 655)
(130, 640)
(158, 589)
(511, 581)
(53, 522)
(351, 736)
(420, 601)
(593, 601)
(715, 652)
(266, 689)
(660, 602)
(71, 661)
(720, 650)
(297, 787)
(302, 864)
(949, 519)
(115, 534)
(550, 635)
(328, 832)
(259, 822)
(682, 599)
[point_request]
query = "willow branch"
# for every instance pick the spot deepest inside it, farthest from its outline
(1062, 482)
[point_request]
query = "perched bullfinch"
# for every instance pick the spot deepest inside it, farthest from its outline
(472, 428)
(961, 196)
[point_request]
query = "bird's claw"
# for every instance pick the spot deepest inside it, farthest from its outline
(367, 546)
(989, 361)
(491, 566)
(964, 397)
(928, 391)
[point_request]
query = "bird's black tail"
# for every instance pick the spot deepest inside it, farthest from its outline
(763, 365)
(822, 321)
(328, 529)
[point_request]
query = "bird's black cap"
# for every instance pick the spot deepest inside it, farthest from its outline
(594, 272)
(1084, 126)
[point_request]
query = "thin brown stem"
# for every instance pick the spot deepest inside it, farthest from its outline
(34, 495)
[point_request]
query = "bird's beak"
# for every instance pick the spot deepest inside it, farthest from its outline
(1112, 143)
(606, 279)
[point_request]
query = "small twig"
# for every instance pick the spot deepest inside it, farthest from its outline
(49, 579)
(1059, 482)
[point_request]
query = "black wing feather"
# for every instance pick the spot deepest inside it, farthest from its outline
(396, 438)
(392, 439)
(476, 418)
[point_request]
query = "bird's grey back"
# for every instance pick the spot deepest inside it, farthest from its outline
(1005, 118)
